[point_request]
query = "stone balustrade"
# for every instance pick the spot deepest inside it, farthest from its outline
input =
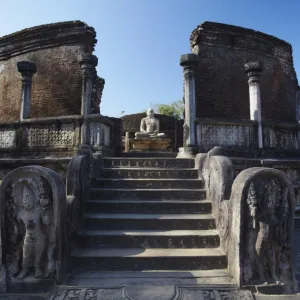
(243, 134)
(54, 134)
(281, 136)
(228, 134)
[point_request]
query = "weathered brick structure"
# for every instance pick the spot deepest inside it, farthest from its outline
(57, 85)
(218, 225)
(221, 84)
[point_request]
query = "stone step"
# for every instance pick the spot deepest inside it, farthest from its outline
(24, 296)
(149, 221)
(148, 154)
(153, 162)
(149, 207)
(148, 183)
(148, 239)
(156, 173)
(82, 277)
(135, 259)
(147, 194)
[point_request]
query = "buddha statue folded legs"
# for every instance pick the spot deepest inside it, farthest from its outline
(149, 128)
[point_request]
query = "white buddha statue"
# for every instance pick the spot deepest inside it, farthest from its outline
(149, 127)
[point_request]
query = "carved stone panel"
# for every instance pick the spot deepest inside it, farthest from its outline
(262, 228)
(280, 138)
(226, 135)
(51, 135)
(33, 224)
(7, 138)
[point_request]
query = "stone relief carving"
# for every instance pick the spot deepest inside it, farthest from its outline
(171, 293)
(267, 238)
(51, 135)
(226, 135)
(30, 212)
(280, 138)
(33, 220)
(7, 138)
(153, 163)
(261, 232)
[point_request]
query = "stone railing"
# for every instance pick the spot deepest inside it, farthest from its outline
(55, 134)
(281, 136)
(61, 132)
(243, 134)
(227, 134)
(41, 133)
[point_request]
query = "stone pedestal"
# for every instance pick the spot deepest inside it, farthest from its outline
(150, 144)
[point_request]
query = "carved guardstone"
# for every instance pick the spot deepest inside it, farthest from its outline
(33, 227)
(260, 246)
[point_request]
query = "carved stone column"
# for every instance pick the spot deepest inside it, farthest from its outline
(88, 62)
(298, 105)
(27, 69)
(253, 70)
(189, 62)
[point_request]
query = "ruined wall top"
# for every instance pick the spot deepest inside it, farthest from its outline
(237, 36)
(47, 36)
(222, 90)
(55, 49)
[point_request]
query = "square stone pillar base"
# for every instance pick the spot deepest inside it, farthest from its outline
(187, 152)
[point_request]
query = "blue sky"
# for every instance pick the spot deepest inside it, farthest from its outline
(140, 41)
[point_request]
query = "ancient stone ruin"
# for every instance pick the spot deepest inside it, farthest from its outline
(149, 207)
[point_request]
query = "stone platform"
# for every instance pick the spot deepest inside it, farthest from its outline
(150, 144)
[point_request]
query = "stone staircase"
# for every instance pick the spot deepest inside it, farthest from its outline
(148, 214)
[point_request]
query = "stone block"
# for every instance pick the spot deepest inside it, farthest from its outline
(150, 144)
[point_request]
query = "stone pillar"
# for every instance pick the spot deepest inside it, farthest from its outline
(27, 69)
(253, 70)
(298, 105)
(189, 149)
(88, 63)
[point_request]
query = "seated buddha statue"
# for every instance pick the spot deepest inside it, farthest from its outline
(149, 127)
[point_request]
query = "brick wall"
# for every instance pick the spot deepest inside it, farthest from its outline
(56, 87)
(221, 83)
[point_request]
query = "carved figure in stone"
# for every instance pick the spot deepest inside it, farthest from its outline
(266, 234)
(46, 203)
(35, 239)
(34, 226)
(149, 127)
